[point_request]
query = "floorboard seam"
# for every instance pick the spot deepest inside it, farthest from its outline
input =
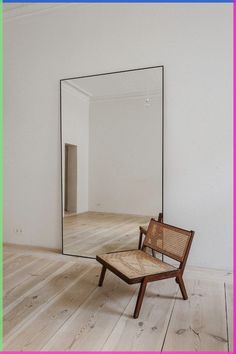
(135, 294)
(36, 312)
(65, 322)
(226, 314)
(167, 328)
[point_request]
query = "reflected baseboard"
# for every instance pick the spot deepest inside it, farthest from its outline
(25, 247)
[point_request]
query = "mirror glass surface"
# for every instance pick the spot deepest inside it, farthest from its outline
(112, 159)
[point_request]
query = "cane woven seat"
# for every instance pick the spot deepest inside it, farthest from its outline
(136, 263)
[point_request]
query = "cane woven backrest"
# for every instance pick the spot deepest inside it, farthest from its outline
(168, 240)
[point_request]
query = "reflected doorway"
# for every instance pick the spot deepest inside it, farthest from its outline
(70, 192)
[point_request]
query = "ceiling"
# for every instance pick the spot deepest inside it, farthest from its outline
(126, 84)
(15, 10)
(12, 6)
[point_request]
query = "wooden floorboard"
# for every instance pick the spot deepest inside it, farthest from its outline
(34, 302)
(14, 279)
(146, 333)
(37, 332)
(16, 264)
(37, 279)
(199, 323)
(52, 302)
(7, 256)
(229, 309)
(93, 322)
(94, 233)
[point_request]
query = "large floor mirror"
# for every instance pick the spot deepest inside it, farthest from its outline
(112, 158)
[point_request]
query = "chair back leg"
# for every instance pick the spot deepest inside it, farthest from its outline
(140, 298)
(102, 275)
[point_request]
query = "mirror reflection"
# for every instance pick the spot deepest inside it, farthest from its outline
(111, 159)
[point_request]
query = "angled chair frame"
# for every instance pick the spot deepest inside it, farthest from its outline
(166, 239)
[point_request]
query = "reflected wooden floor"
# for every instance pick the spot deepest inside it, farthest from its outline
(52, 303)
(94, 233)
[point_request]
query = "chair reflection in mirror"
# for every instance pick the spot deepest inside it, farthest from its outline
(137, 266)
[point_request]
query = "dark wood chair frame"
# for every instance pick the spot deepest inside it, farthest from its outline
(144, 280)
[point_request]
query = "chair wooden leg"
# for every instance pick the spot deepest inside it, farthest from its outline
(102, 275)
(180, 281)
(140, 298)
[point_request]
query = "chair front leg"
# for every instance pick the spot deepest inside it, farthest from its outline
(140, 298)
(102, 275)
(180, 281)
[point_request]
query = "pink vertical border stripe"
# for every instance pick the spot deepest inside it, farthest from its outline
(234, 215)
(234, 168)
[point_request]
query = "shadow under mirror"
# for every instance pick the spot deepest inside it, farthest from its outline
(112, 159)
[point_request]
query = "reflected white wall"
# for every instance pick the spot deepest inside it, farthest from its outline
(125, 164)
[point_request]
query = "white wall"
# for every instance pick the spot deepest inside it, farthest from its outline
(125, 156)
(75, 126)
(193, 41)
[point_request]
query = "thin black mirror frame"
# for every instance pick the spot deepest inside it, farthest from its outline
(61, 132)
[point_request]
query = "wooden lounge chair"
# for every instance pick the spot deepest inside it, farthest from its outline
(137, 266)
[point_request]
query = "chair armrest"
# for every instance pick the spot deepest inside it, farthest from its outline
(143, 231)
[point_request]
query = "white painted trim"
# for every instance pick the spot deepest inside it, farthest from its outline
(36, 9)
(125, 97)
(74, 91)
(84, 95)
(77, 88)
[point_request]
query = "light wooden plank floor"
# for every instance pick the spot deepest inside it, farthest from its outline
(52, 302)
(91, 233)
